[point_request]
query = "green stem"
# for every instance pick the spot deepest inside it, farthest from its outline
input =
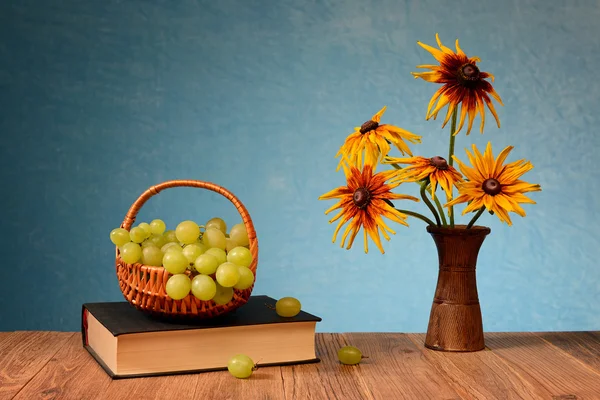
(441, 211)
(476, 217)
(452, 137)
(450, 159)
(417, 215)
(431, 207)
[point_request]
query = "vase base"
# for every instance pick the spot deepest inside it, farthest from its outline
(455, 327)
(450, 350)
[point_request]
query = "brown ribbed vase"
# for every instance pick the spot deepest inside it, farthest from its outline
(455, 322)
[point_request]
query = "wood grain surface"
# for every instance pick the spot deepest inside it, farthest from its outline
(550, 365)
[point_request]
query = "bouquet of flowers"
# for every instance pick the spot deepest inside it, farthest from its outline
(488, 184)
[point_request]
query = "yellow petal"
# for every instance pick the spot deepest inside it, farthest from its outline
(496, 96)
(499, 164)
(355, 231)
(350, 228)
(402, 133)
(377, 117)
(429, 66)
(374, 233)
(518, 209)
(441, 46)
(441, 103)
(472, 112)
(480, 164)
(438, 55)
(488, 201)
(463, 114)
(384, 147)
(475, 205)
(451, 108)
(503, 202)
(488, 160)
(512, 172)
(459, 50)
(503, 215)
(521, 198)
(463, 198)
(335, 193)
(435, 96)
(379, 221)
(481, 109)
(492, 109)
(520, 187)
(432, 76)
(334, 207)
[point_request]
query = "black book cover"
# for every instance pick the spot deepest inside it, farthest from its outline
(121, 318)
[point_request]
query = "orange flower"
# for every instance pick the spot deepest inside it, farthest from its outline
(493, 185)
(374, 140)
(463, 83)
(363, 202)
(436, 169)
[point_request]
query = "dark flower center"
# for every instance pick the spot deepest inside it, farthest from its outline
(468, 73)
(491, 186)
(368, 126)
(439, 162)
(361, 197)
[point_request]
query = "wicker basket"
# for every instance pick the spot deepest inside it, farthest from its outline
(144, 286)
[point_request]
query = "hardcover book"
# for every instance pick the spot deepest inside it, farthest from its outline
(129, 343)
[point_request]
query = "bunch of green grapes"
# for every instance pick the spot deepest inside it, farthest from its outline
(205, 260)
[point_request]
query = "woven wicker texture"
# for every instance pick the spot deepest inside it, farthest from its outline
(144, 286)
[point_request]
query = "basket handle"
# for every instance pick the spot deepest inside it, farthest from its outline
(154, 190)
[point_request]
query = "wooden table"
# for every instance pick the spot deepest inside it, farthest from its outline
(49, 365)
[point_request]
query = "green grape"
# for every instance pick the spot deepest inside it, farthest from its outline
(119, 237)
(287, 307)
(204, 287)
(217, 223)
(137, 235)
(171, 237)
(157, 240)
(240, 256)
(131, 252)
(171, 246)
(146, 227)
(223, 295)
(241, 366)
(228, 274)
(230, 244)
(187, 232)
(349, 355)
(239, 234)
(193, 251)
(158, 226)
(246, 278)
(218, 253)
(175, 262)
(152, 255)
(206, 264)
(178, 286)
(213, 237)
(147, 243)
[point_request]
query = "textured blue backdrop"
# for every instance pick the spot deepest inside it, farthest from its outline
(100, 100)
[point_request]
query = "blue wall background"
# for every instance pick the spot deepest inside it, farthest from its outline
(100, 100)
